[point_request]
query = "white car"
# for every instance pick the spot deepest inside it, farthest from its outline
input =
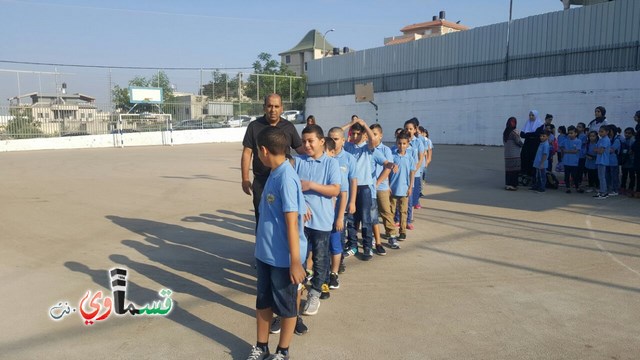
(240, 120)
(292, 115)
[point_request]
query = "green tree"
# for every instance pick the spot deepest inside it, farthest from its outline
(261, 84)
(222, 87)
(22, 125)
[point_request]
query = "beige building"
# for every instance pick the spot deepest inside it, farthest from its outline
(312, 46)
(189, 106)
(56, 107)
(436, 27)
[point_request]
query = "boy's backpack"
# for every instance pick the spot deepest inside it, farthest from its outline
(552, 181)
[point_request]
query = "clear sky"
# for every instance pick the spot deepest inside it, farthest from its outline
(201, 33)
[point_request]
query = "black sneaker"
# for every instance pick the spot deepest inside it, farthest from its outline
(380, 250)
(367, 255)
(334, 283)
(402, 237)
(325, 294)
(300, 328)
(275, 325)
(258, 354)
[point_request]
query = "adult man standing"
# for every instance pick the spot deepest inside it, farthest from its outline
(272, 111)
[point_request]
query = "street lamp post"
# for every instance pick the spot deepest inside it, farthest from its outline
(324, 41)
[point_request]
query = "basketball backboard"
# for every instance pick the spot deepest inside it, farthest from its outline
(145, 95)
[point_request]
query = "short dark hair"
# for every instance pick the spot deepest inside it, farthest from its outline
(354, 116)
(403, 134)
(549, 116)
(563, 130)
(329, 144)
(631, 130)
(274, 139)
(571, 128)
(375, 126)
(336, 129)
(546, 132)
(582, 124)
(313, 129)
(357, 127)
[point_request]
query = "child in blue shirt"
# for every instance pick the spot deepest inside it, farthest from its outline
(281, 245)
(411, 126)
(347, 164)
(381, 206)
(584, 137)
(571, 147)
(613, 169)
(602, 160)
(401, 185)
(590, 162)
(540, 163)
(627, 156)
(362, 149)
(320, 178)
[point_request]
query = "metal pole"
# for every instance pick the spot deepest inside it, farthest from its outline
(506, 57)
(257, 86)
(274, 83)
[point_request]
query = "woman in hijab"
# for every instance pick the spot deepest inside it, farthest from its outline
(531, 135)
(600, 119)
(512, 145)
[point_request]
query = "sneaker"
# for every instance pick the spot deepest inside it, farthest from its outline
(257, 354)
(380, 250)
(410, 226)
(580, 191)
(393, 243)
(589, 190)
(367, 255)
(300, 328)
(279, 356)
(341, 268)
(613, 193)
(418, 207)
(596, 195)
(334, 283)
(402, 237)
(602, 196)
(312, 305)
(325, 294)
(275, 325)
(309, 275)
(350, 252)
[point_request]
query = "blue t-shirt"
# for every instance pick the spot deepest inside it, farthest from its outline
(613, 155)
(603, 159)
(561, 139)
(543, 149)
(418, 145)
(347, 165)
(583, 150)
(362, 153)
(324, 171)
(282, 193)
(590, 162)
(388, 156)
(570, 159)
(400, 181)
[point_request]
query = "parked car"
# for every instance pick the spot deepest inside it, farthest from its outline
(195, 124)
(292, 115)
(240, 120)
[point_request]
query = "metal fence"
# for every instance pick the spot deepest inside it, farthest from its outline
(590, 39)
(21, 123)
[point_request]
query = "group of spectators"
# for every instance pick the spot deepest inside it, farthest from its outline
(310, 207)
(600, 153)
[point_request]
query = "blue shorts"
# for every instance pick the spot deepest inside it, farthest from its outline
(276, 291)
(375, 217)
(335, 242)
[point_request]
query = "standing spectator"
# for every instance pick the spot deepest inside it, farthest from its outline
(531, 132)
(311, 120)
(600, 119)
(272, 112)
(571, 148)
(512, 147)
(602, 160)
(540, 164)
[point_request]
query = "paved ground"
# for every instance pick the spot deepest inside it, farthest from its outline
(486, 274)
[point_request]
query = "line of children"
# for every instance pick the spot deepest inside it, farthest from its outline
(308, 202)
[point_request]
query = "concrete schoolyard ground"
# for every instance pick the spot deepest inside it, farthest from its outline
(486, 274)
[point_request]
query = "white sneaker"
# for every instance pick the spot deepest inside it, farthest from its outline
(613, 193)
(312, 305)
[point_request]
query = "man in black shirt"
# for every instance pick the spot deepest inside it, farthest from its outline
(272, 111)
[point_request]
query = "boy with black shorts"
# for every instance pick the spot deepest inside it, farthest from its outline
(281, 245)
